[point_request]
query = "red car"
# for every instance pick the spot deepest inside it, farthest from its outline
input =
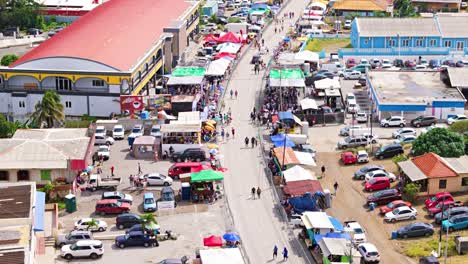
(350, 63)
(410, 64)
(112, 207)
(393, 205)
(377, 183)
(187, 167)
(436, 199)
(442, 206)
(348, 158)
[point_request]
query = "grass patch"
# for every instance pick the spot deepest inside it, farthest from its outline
(317, 45)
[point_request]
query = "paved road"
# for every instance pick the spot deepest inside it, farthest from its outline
(258, 221)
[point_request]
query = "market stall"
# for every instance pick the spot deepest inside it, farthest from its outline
(144, 147)
(305, 158)
(182, 76)
(285, 157)
(229, 37)
(182, 103)
(316, 223)
(300, 187)
(221, 255)
(338, 250)
(213, 241)
(297, 173)
(287, 78)
(228, 47)
(204, 185)
(218, 67)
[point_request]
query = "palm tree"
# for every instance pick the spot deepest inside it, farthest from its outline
(48, 110)
(92, 223)
(147, 220)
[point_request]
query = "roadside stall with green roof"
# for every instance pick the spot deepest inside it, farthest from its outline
(205, 184)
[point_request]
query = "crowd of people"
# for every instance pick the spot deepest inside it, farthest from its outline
(273, 102)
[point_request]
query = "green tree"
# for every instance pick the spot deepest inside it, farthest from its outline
(8, 129)
(404, 8)
(410, 191)
(18, 13)
(213, 19)
(47, 189)
(234, 20)
(49, 110)
(147, 220)
(399, 158)
(92, 223)
(8, 59)
(441, 141)
(460, 127)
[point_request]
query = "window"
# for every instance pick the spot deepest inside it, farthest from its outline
(62, 83)
(45, 175)
(465, 181)
(98, 83)
(68, 104)
(391, 43)
(405, 43)
(4, 176)
(21, 104)
(442, 184)
(432, 42)
(419, 43)
(447, 43)
(366, 41)
(23, 175)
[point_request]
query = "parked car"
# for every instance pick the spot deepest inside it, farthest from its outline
(83, 249)
(459, 64)
(156, 131)
(386, 64)
(450, 63)
(376, 184)
(345, 130)
(393, 121)
(456, 118)
(355, 230)
(104, 152)
(195, 154)
(362, 156)
(103, 140)
(127, 220)
(457, 222)
(353, 75)
(453, 211)
(428, 260)
(186, 167)
(398, 63)
(364, 61)
(100, 131)
(438, 198)
(362, 81)
(369, 252)
(442, 206)
(34, 31)
(362, 68)
(348, 158)
(405, 139)
(384, 196)
(119, 196)
(148, 228)
(352, 142)
(347, 24)
(410, 64)
(72, 237)
(420, 67)
(434, 63)
(85, 224)
(351, 62)
(393, 205)
(136, 238)
(375, 63)
(361, 117)
(424, 121)
(118, 132)
(157, 179)
(149, 202)
(111, 207)
(389, 151)
(380, 173)
(401, 213)
(371, 138)
(137, 131)
(361, 173)
(427, 129)
(405, 131)
(415, 230)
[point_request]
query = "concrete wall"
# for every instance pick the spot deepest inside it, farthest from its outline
(104, 105)
(79, 105)
(35, 175)
(453, 185)
(443, 113)
(87, 83)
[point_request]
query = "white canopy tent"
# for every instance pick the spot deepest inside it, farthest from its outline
(338, 247)
(307, 55)
(218, 67)
(308, 103)
(287, 82)
(221, 255)
(229, 47)
(317, 220)
(327, 84)
(305, 158)
(297, 173)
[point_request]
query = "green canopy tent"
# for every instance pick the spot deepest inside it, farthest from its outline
(287, 78)
(187, 76)
(206, 176)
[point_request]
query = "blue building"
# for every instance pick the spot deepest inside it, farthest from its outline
(441, 34)
(210, 8)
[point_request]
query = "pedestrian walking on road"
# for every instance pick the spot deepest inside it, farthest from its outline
(252, 116)
(246, 142)
(276, 30)
(252, 141)
(233, 131)
(112, 170)
(335, 186)
(130, 178)
(275, 252)
(232, 93)
(258, 192)
(139, 168)
(253, 193)
(263, 42)
(222, 133)
(323, 170)
(285, 253)
(236, 93)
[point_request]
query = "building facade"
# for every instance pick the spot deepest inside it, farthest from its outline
(110, 51)
(432, 6)
(362, 7)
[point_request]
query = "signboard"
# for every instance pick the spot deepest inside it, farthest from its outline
(160, 101)
(164, 205)
(131, 103)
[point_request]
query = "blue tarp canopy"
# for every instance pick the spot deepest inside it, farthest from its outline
(304, 203)
(285, 116)
(278, 141)
(260, 6)
(319, 237)
(336, 224)
(39, 211)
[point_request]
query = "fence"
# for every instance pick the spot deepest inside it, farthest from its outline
(329, 36)
(394, 51)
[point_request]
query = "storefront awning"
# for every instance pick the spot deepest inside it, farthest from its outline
(308, 104)
(327, 84)
(412, 171)
(206, 176)
(289, 157)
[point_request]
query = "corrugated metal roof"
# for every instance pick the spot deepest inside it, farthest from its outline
(458, 76)
(360, 5)
(410, 170)
(459, 165)
(15, 200)
(404, 27)
(453, 26)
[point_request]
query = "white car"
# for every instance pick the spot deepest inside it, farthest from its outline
(364, 61)
(420, 67)
(104, 151)
(404, 132)
(361, 117)
(393, 121)
(347, 24)
(401, 213)
(158, 179)
(353, 75)
(103, 140)
(371, 138)
(118, 132)
(82, 249)
(345, 130)
(369, 252)
(356, 230)
(456, 118)
(100, 131)
(137, 131)
(156, 131)
(427, 129)
(386, 64)
(352, 107)
(362, 156)
(345, 71)
(83, 224)
(405, 139)
(380, 173)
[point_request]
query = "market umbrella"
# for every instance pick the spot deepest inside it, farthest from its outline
(212, 241)
(213, 146)
(302, 38)
(231, 237)
(287, 39)
(213, 151)
(275, 7)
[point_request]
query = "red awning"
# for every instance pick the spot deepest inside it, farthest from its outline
(224, 54)
(298, 188)
(230, 37)
(210, 38)
(212, 241)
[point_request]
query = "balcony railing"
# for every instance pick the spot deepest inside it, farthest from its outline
(23, 88)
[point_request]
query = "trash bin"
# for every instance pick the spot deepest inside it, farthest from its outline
(70, 203)
(394, 234)
(371, 206)
(185, 186)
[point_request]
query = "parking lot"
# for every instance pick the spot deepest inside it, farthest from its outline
(186, 221)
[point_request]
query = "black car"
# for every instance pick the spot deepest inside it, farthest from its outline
(34, 31)
(361, 173)
(362, 81)
(138, 227)
(424, 121)
(136, 238)
(191, 154)
(415, 230)
(384, 196)
(439, 217)
(428, 260)
(127, 220)
(10, 32)
(398, 63)
(389, 151)
(329, 75)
